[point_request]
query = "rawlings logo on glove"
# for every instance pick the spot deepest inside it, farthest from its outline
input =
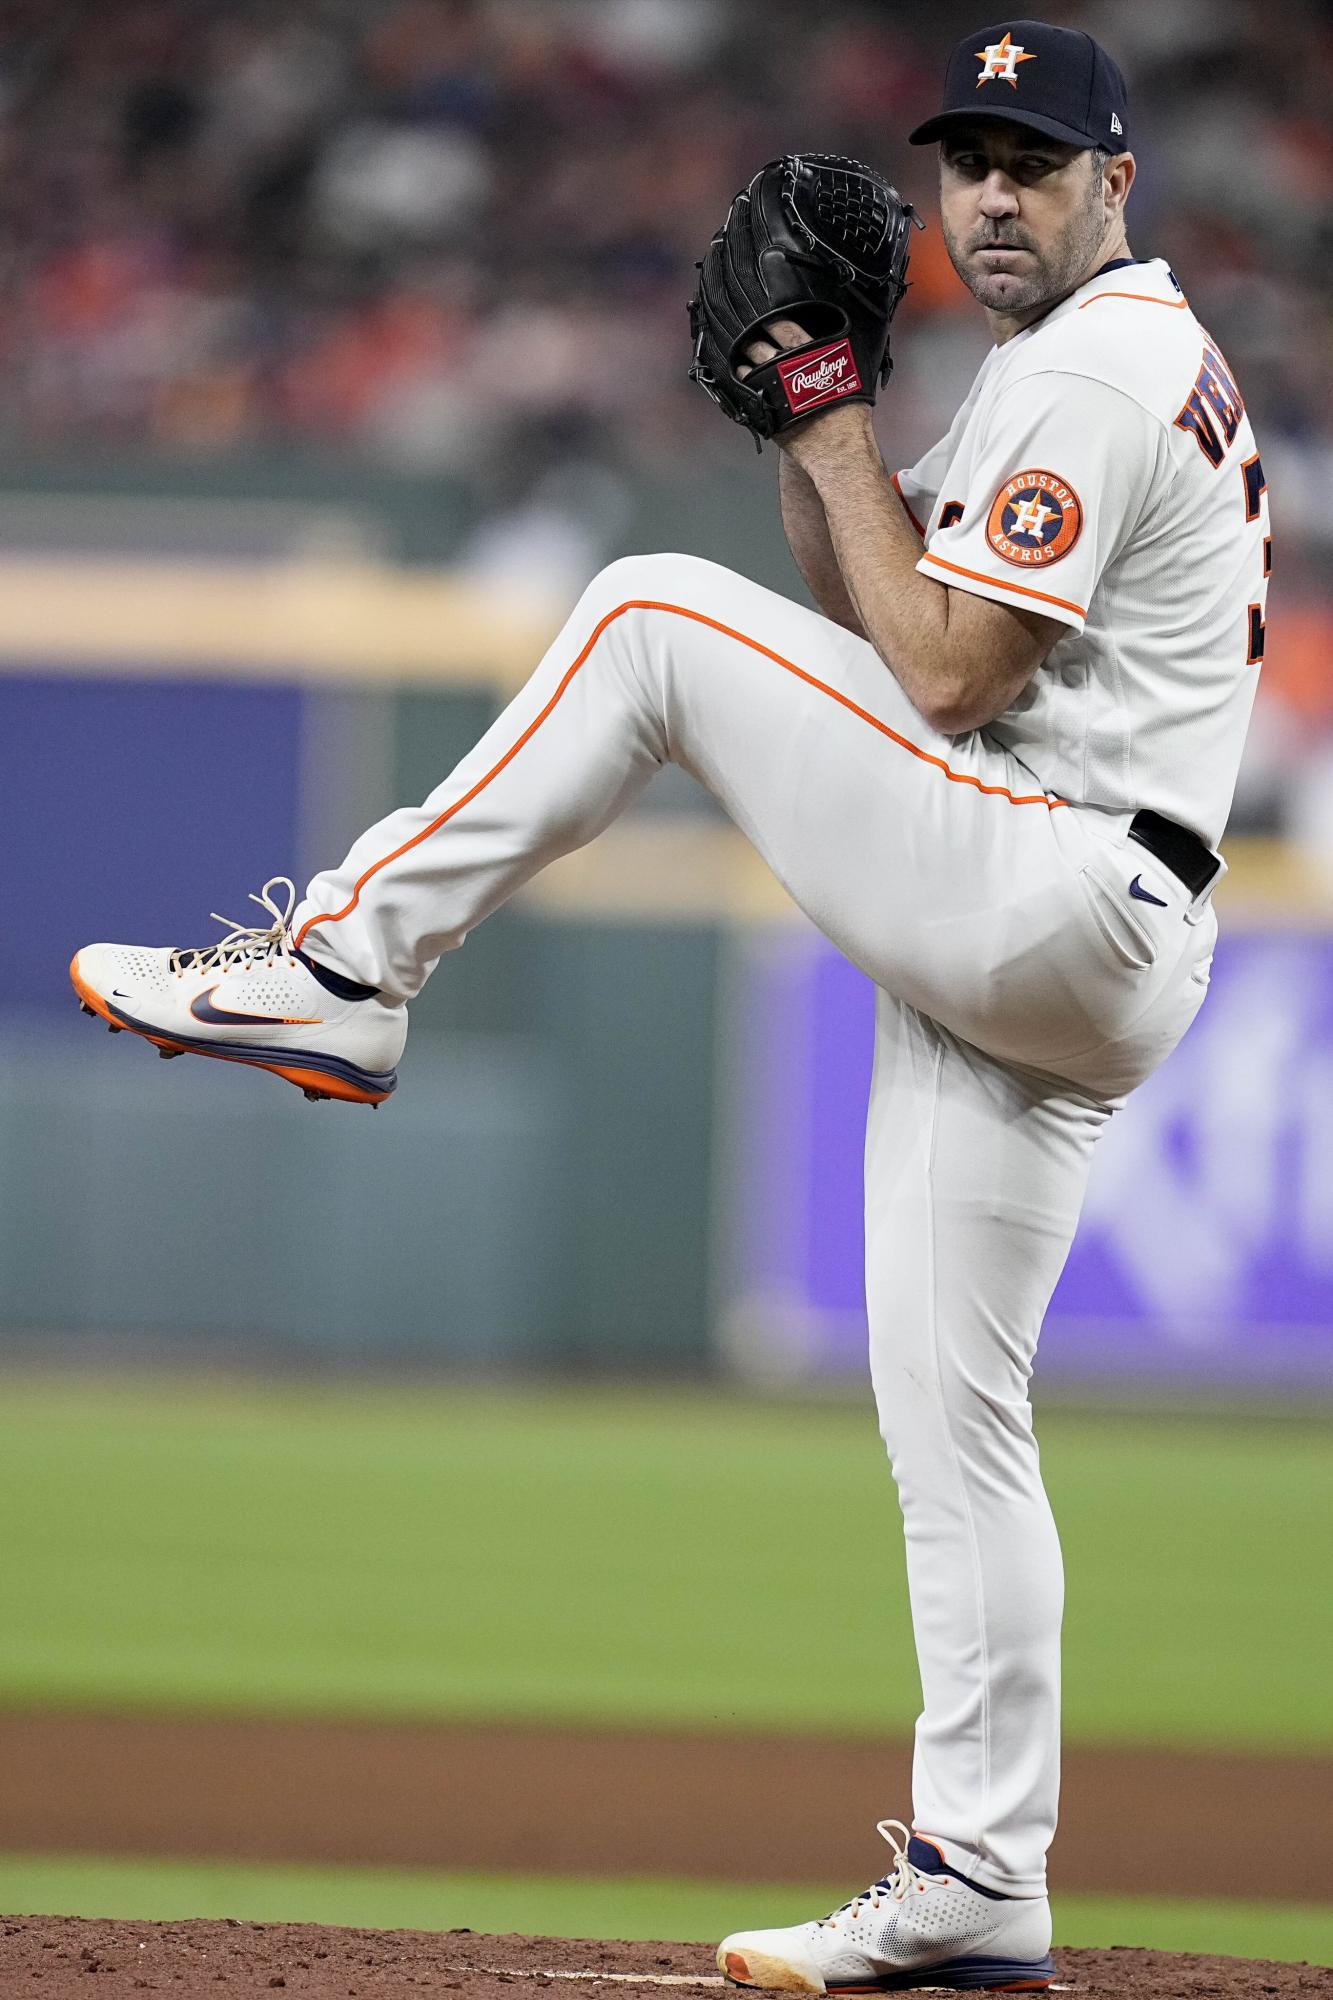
(816, 239)
(812, 379)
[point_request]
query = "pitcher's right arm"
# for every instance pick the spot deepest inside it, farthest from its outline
(806, 527)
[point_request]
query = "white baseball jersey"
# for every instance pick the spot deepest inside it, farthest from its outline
(1103, 472)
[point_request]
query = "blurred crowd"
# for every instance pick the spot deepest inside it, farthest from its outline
(428, 232)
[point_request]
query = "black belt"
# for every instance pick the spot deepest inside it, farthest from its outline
(1177, 849)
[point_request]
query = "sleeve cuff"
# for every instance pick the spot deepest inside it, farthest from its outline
(896, 481)
(1001, 591)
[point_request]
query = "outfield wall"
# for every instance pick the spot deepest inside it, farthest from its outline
(628, 1134)
(1205, 1250)
(539, 1193)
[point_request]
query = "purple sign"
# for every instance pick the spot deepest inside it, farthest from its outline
(1205, 1249)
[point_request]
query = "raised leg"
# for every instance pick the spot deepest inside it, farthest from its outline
(933, 863)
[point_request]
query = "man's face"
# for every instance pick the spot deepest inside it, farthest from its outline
(1023, 215)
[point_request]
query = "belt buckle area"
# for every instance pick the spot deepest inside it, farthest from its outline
(1197, 905)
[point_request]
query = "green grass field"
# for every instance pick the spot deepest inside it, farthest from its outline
(573, 1906)
(582, 1556)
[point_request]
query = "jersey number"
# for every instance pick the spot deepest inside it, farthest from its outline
(1258, 633)
(1252, 477)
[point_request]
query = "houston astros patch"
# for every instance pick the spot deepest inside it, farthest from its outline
(1035, 518)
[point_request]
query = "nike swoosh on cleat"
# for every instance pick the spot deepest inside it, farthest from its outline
(203, 1010)
(1136, 888)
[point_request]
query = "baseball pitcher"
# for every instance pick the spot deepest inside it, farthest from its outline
(993, 767)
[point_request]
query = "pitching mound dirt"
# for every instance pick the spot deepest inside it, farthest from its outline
(56, 1956)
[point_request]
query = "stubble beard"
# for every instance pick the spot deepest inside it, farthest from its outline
(1046, 276)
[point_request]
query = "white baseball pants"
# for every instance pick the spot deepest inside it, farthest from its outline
(1023, 993)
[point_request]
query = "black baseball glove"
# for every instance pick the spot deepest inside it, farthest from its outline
(816, 239)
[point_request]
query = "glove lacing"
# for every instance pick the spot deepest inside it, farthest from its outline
(246, 945)
(895, 1886)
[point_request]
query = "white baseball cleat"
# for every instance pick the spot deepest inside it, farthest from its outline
(251, 998)
(923, 1925)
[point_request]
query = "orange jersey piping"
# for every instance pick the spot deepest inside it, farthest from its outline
(1143, 298)
(1002, 583)
(728, 632)
(896, 484)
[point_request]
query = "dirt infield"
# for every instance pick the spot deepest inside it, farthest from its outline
(725, 1808)
(55, 1956)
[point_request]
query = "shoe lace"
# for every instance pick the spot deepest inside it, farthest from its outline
(246, 944)
(901, 1879)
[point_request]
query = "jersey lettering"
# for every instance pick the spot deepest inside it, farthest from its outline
(1256, 486)
(1213, 409)
(951, 513)
(1268, 555)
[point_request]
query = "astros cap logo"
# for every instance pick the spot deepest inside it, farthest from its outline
(1075, 93)
(1035, 518)
(999, 61)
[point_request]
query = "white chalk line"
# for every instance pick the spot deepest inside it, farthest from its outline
(610, 1978)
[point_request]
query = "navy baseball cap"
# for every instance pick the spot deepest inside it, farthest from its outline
(1057, 80)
